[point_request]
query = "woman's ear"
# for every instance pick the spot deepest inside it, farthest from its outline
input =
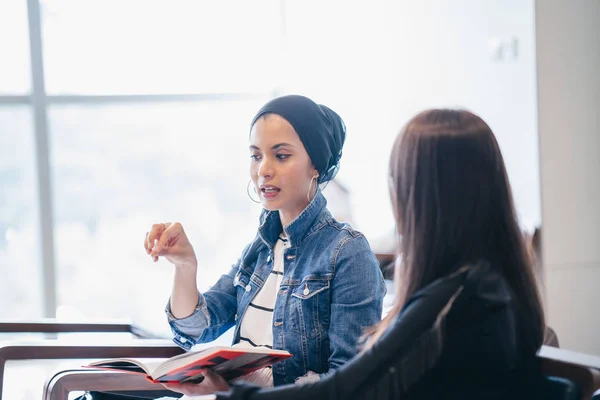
(314, 173)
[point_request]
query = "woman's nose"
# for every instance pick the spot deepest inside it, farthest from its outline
(265, 168)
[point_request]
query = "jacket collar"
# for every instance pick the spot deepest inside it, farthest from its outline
(270, 226)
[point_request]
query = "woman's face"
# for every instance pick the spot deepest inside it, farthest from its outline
(280, 167)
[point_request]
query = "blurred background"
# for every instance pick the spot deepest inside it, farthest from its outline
(115, 115)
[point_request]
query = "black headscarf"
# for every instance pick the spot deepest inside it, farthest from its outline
(321, 130)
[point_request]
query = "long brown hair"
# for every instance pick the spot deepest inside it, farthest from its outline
(453, 205)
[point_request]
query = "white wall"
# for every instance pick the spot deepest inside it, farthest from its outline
(568, 65)
(380, 62)
(445, 57)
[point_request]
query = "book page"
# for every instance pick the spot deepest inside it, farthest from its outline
(180, 361)
(124, 364)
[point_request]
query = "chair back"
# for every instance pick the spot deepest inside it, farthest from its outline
(569, 374)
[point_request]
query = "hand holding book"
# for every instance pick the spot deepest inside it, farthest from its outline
(212, 383)
(228, 362)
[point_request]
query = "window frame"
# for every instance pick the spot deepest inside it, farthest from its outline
(39, 102)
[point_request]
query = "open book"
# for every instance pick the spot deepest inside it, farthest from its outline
(229, 362)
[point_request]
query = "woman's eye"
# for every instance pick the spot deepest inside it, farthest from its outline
(282, 156)
(254, 157)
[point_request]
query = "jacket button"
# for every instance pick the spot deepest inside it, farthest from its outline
(248, 288)
(269, 258)
(282, 291)
(278, 323)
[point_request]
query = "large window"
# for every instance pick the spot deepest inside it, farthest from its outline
(144, 118)
(119, 168)
(148, 117)
(144, 112)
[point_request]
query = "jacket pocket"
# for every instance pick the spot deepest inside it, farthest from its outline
(310, 302)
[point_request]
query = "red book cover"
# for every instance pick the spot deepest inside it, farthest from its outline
(229, 362)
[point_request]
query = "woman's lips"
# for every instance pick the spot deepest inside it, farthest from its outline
(269, 192)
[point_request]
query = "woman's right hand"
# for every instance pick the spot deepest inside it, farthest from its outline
(170, 241)
(212, 383)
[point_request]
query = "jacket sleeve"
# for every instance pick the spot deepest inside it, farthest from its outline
(357, 295)
(214, 314)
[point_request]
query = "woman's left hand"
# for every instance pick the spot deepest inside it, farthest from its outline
(212, 383)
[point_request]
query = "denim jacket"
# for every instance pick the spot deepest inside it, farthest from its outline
(332, 289)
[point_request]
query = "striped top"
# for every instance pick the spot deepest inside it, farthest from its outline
(256, 328)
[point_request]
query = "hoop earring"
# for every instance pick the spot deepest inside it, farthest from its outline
(308, 197)
(248, 192)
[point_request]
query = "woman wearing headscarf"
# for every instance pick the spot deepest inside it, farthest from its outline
(307, 283)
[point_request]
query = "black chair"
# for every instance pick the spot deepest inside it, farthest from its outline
(556, 388)
(570, 373)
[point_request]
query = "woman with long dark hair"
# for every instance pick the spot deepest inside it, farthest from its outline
(467, 322)
(453, 205)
